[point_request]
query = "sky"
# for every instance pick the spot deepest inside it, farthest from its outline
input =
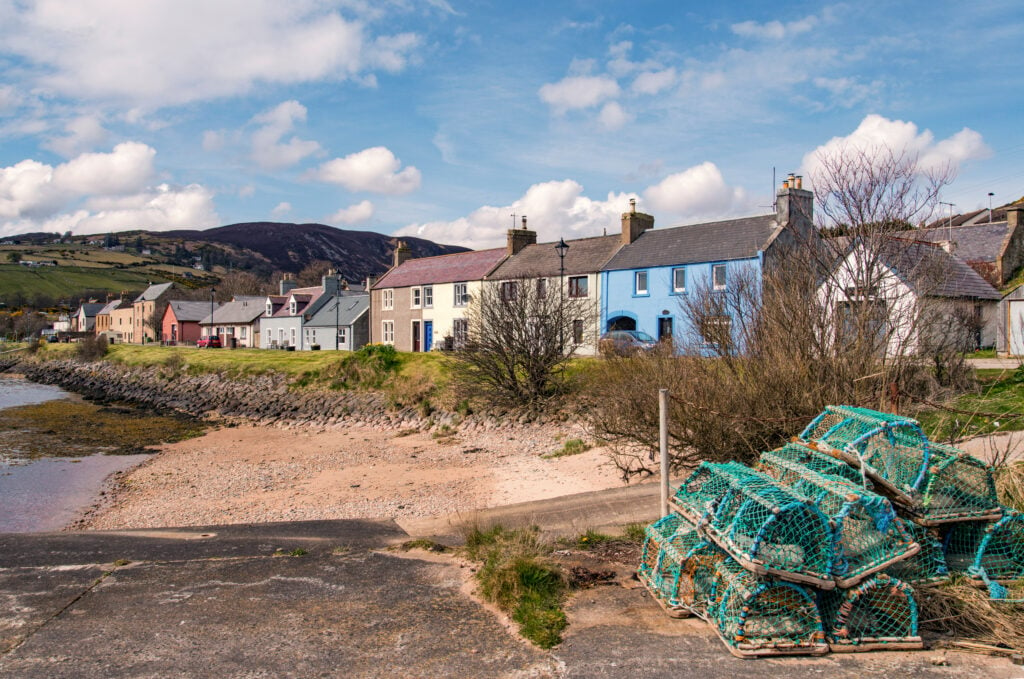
(450, 120)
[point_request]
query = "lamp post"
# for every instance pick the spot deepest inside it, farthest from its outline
(561, 248)
(213, 291)
(337, 324)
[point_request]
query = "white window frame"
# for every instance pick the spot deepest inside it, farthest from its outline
(387, 332)
(675, 279)
(387, 299)
(715, 285)
(460, 294)
(416, 297)
(342, 334)
(428, 296)
(270, 308)
(640, 285)
(270, 337)
(293, 306)
(292, 337)
(242, 332)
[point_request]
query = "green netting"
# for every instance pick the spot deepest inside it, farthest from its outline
(866, 536)
(767, 527)
(655, 535)
(756, 615)
(926, 567)
(878, 613)
(989, 551)
(935, 482)
(681, 573)
(818, 461)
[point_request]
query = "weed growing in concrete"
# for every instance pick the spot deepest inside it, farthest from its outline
(424, 544)
(298, 551)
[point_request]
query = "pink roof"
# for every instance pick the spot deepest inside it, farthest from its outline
(461, 266)
(303, 296)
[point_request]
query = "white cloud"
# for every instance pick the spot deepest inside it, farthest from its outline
(373, 169)
(213, 140)
(877, 133)
(613, 116)
(10, 98)
(353, 214)
(699, 192)
(280, 210)
(83, 133)
(268, 150)
(576, 92)
(247, 191)
(555, 209)
(162, 208)
(774, 30)
(167, 52)
(653, 82)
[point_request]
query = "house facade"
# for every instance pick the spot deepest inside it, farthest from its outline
(285, 314)
(237, 322)
(343, 323)
(1010, 333)
(645, 285)
(180, 322)
(103, 318)
(420, 304)
(84, 319)
(143, 310)
(122, 323)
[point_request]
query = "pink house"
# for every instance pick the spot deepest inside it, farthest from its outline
(181, 321)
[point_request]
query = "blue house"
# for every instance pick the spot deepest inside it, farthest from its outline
(644, 286)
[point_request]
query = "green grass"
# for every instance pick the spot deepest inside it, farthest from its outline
(997, 405)
(517, 576)
(70, 281)
(570, 447)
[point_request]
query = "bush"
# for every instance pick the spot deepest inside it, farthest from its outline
(92, 348)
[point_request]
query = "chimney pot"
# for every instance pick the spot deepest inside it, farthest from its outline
(799, 182)
(632, 204)
(524, 221)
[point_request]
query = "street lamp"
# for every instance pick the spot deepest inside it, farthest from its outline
(213, 291)
(337, 324)
(561, 248)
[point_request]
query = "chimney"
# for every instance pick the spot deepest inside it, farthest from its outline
(795, 206)
(371, 281)
(330, 282)
(287, 284)
(520, 238)
(343, 284)
(402, 253)
(1013, 213)
(634, 223)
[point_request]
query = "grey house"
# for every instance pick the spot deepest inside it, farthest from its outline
(285, 314)
(342, 323)
(237, 322)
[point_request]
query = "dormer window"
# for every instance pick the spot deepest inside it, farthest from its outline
(293, 306)
(270, 308)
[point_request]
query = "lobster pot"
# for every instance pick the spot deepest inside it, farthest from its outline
(759, 616)
(928, 565)
(988, 551)
(806, 455)
(957, 487)
(766, 527)
(892, 450)
(867, 536)
(656, 535)
(682, 571)
(878, 614)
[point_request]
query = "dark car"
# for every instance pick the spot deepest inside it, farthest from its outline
(209, 342)
(626, 342)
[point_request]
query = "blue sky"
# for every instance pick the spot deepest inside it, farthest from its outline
(443, 118)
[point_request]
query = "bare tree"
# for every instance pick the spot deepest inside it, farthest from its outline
(521, 336)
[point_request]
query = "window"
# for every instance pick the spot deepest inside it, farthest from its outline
(578, 286)
(542, 288)
(293, 306)
(388, 332)
(718, 276)
(242, 331)
(508, 291)
(460, 332)
(678, 280)
(577, 331)
(461, 294)
(280, 336)
(640, 283)
(387, 299)
(417, 298)
(717, 330)
(270, 308)
(293, 337)
(341, 336)
(270, 337)
(428, 296)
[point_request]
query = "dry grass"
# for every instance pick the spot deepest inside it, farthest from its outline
(961, 611)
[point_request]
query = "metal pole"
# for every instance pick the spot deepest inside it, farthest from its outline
(337, 325)
(663, 444)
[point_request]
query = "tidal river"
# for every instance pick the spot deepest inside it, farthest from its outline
(40, 492)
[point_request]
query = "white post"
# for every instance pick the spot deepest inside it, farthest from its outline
(663, 443)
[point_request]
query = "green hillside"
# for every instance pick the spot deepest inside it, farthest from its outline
(19, 284)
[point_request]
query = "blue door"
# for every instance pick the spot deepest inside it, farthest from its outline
(428, 335)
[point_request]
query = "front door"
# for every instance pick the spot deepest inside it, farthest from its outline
(665, 329)
(415, 335)
(428, 335)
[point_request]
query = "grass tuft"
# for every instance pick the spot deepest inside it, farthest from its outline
(570, 447)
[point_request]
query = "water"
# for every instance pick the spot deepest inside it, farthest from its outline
(48, 493)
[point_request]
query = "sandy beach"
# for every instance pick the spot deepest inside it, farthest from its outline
(257, 474)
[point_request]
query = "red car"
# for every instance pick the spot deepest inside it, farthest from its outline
(209, 342)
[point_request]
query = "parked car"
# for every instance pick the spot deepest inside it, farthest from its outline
(625, 342)
(212, 342)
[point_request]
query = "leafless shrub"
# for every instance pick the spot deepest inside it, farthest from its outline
(91, 348)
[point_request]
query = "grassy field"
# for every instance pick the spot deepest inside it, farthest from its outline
(996, 405)
(70, 281)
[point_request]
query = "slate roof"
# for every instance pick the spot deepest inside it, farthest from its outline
(585, 255)
(110, 306)
(185, 310)
(350, 309)
(461, 266)
(946, 274)
(240, 311)
(694, 243)
(153, 292)
(90, 309)
(974, 243)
